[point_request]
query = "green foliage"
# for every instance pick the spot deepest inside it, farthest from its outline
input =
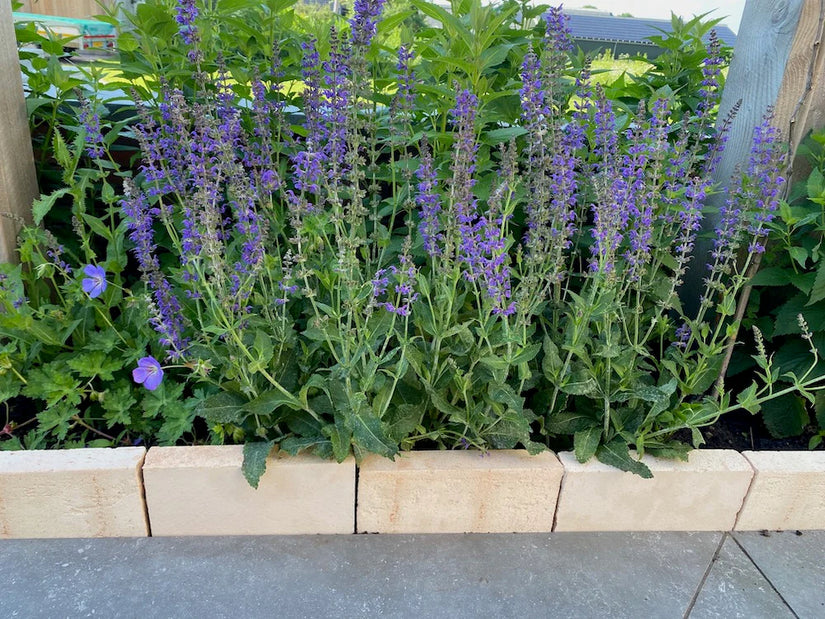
(793, 283)
(333, 372)
(66, 358)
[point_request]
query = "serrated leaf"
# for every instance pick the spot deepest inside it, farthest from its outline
(585, 443)
(254, 461)
(118, 402)
(534, 448)
(818, 290)
(94, 363)
(341, 439)
(177, 421)
(9, 386)
(222, 407)
(508, 431)
(368, 433)
(616, 453)
(785, 416)
(61, 151)
(819, 408)
(505, 394)
(402, 420)
(748, 400)
(44, 204)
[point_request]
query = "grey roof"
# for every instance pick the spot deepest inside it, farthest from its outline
(612, 29)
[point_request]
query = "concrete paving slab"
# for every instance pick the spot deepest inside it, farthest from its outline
(734, 588)
(794, 563)
(560, 575)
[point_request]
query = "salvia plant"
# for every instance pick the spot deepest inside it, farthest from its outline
(341, 268)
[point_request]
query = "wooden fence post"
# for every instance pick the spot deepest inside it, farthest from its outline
(777, 62)
(18, 183)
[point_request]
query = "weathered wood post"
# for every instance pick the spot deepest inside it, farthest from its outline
(778, 62)
(18, 183)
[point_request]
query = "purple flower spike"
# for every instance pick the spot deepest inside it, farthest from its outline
(148, 373)
(94, 284)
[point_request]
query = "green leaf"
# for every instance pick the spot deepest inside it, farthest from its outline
(293, 445)
(818, 290)
(497, 136)
(494, 363)
(816, 184)
(505, 394)
(799, 254)
(580, 384)
(785, 416)
(254, 461)
(819, 407)
(566, 422)
(269, 401)
(61, 151)
(9, 386)
(44, 204)
(526, 355)
(748, 400)
(508, 430)
(616, 453)
(118, 402)
(95, 363)
(585, 443)
(341, 438)
(772, 276)
(402, 419)
(369, 433)
(178, 417)
(224, 407)
(552, 364)
(53, 383)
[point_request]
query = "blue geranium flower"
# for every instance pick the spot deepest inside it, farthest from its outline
(94, 284)
(148, 373)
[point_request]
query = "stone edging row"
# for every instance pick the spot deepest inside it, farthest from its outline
(127, 492)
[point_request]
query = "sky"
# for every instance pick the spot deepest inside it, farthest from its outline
(732, 9)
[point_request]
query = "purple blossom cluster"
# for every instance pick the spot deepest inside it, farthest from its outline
(753, 198)
(400, 295)
(610, 215)
(167, 317)
(364, 22)
(93, 138)
(186, 12)
(428, 202)
(403, 102)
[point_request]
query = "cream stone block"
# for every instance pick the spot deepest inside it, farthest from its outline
(72, 493)
(703, 494)
(788, 491)
(458, 492)
(202, 491)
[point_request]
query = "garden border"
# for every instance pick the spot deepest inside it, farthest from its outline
(129, 492)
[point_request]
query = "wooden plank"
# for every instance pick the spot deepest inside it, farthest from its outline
(78, 9)
(18, 184)
(800, 104)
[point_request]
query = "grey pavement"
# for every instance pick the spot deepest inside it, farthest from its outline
(572, 575)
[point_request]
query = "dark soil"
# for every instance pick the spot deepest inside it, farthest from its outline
(742, 431)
